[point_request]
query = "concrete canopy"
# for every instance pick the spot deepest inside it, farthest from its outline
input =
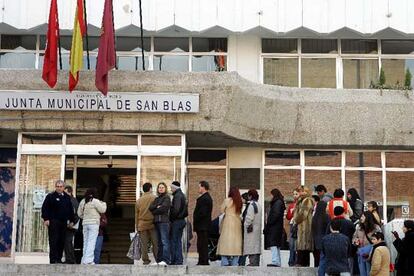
(233, 111)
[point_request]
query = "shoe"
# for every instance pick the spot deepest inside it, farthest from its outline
(273, 265)
(162, 263)
(154, 264)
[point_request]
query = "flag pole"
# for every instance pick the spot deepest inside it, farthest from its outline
(142, 35)
(87, 36)
(113, 26)
(59, 44)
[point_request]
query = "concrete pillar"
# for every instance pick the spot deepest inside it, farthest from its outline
(244, 56)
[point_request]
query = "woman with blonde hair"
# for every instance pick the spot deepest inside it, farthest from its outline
(303, 219)
(230, 241)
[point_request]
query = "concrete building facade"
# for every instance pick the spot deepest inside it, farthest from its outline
(266, 94)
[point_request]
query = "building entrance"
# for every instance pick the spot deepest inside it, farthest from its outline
(114, 178)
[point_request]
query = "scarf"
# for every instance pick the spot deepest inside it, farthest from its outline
(375, 247)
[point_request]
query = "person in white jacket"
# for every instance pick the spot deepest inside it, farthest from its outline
(90, 210)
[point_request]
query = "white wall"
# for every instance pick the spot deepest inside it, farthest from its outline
(244, 56)
(245, 157)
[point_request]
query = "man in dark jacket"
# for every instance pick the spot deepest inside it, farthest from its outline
(202, 221)
(405, 259)
(70, 231)
(336, 248)
(178, 213)
(58, 215)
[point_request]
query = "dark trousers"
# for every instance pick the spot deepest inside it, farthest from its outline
(177, 228)
(69, 250)
(303, 258)
(254, 260)
(316, 257)
(202, 247)
(57, 233)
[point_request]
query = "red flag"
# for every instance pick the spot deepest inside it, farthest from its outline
(49, 74)
(106, 54)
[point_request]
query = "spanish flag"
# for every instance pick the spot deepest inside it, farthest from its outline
(76, 52)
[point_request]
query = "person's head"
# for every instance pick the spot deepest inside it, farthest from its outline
(203, 187)
(316, 198)
(175, 185)
(147, 187)
(276, 194)
(377, 237)
(59, 186)
(320, 190)
(253, 194)
(305, 191)
(162, 188)
(367, 221)
(90, 194)
(338, 193)
(339, 211)
(296, 193)
(352, 194)
(335, 225)
(372, 206)
(234, 194)
(69, 190)
(245, 197)
(408, 226)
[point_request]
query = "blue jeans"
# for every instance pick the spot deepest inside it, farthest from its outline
(229, 260)
(98, 249)
(364, 266)
(322, 265)
(275, 255)
(292, 248)
(163, 232)
(90, 233)
(242, 260)
(177, 228)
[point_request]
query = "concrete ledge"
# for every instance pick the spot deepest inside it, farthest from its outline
(128, 270)
(234, 108)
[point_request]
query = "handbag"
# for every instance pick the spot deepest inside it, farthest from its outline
(134, 252)
(294, 231)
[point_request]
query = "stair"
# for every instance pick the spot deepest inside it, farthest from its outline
(115, 249)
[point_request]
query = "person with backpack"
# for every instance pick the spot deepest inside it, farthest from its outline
(252, 226)
(178, 213)
(339, 201)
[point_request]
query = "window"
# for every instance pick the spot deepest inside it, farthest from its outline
(360, 73)
(395, 70)
(321, 46)
(319, 73)
(397, 46)
(281, 71)
(170, 63)
(279, 45)
(245, 178)
(359, 46)
(171, 44)
(16, 42)
(282, 158)
(209, 45)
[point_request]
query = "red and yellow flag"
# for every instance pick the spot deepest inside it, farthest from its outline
(76, 51)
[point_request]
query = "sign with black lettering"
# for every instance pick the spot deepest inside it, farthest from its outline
(94, 101)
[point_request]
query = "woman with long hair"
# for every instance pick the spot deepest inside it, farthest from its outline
(405, 259)
(273, 230)
(252, 229)
(362, 240)
(160, 208)
(293, 229)
(373, 208)
(90, 210)
(320, 223)
(230, 242)
(356, 204)
(303, 220)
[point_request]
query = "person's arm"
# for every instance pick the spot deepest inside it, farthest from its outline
(249, 215)
(289, 214)
(350, 212)
(274, 213)
(224, 205)
(164, 207)
(46, 209)
(72, 217)
(100, 206)
(175, 207)
(303, 212)
(80, 209)
(376, 263)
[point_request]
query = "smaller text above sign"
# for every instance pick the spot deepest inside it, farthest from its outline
(95, 101)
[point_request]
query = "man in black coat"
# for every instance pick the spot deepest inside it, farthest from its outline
(405, 259)
(58, 215)
(178, 213)
(202, 221)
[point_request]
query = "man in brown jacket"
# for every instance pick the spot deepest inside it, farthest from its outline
(144, 222)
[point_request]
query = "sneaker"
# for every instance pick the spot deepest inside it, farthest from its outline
(154, 264)
(162, 263)
(273, 265)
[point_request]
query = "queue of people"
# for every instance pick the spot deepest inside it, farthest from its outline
(343, 238)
